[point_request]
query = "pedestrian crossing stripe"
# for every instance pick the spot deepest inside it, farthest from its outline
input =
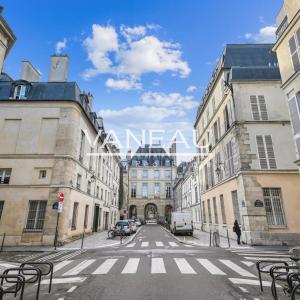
(183, 266)
(157, 244)
(236, 268)
(131, 266)
(80, 267)
(105, 267)
(210, 267)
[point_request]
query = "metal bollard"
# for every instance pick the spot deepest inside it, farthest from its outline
(3, 239)
(228, 238)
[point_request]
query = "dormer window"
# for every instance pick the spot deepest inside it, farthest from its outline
(20, 92)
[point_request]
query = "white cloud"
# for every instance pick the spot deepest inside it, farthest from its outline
(61, 45)
(139, 54)
(173, 100)
(103, 41)
(139, 114)
(191, 89)
(266, 34)
(123, 84)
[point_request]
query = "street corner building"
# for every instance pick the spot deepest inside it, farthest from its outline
(49, 144)
(287, 48)
(151, 175)
(246, 165)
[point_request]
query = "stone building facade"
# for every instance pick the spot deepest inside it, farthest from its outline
(49, 144)
(151, 174)
(246, 157)
(287, 48)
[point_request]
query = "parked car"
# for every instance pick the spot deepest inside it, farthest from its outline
(181, 222)
(133, 226)
(124, 225)
(138, 222)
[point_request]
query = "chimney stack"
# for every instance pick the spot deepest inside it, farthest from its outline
(29, 72)
(59, 68)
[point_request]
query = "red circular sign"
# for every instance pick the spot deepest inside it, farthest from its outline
(61, 197)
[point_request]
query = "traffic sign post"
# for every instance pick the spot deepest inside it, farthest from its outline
(60, 204)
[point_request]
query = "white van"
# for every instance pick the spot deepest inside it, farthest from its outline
(181, 222)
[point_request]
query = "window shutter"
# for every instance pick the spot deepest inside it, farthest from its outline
(263, 108)
(298, 36)
(295, 116)
(295, 56)
(254, 107)
(261, 152)
(270, 152)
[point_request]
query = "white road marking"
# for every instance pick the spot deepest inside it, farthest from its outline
(8, 266)
(71, 255)
(236, 268)
(159, 244)
(211, 268)
(64, 280)
(157, 266)
(264, 254)
(130, 245)
(266, 258)
(61, 265)
(131, 266)
(106, 266)
(145, 244)
(184, 266)
(249, 281)
(189, 246)
(81, 266)
(172, 244)
(244, 290)
(248, 263)
(72, 289)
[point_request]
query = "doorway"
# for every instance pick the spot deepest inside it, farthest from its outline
(96, 218)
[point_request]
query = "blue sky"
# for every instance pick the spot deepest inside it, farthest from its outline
(145, 62)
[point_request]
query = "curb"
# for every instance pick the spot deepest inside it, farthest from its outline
(132, 237)
(176, 238)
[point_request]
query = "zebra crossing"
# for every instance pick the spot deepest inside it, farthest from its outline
(156, 244)
(256, 254)
(157, 265)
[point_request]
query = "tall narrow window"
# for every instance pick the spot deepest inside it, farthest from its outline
(204, 211)
(168, 190)
(226, 118)
(91, 158)
(74, 216)
(259, 108)
(20, 92)
(206, 177)
(216, 132)
(36, 215)
(222, 204)
(145, 174)
(78, 183)
(235, 206)
(1, 208)
(215, 211)
(168, 173)
(5, 176)
(133, 190)
(156, 173)
(230, 160)
(273, 205)
(133, 173)
(82, 146)
(156, 189)
(212, 171)
(86, 215)
(266, 152)
(145, 190)
(209, 211)
(294, 44)
(88, 190)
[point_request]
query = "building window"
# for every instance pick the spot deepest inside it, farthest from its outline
(36, 215)
(1, 208)
(168, 173)
(91, 159)
(97, 192)
(5, 176)
(222, 204)
(215, 211)
(74, 216)
(168, 190)
(209, 211)
(216, 132)
(206, 177)
(156, 190)
(294, 43)
(230, 160)
(82, 146)
(133, 173)
(266, 152)
(133, 190)
(226, 118)
(167, 163)
(89, 187)
(42, 174)
(145, 190)
(196, 195)
(212, 171)
(20, 92)
(259, 108)
(78, 184)
(145, 174)
(274, 208)
(101, 196)
(204, 211)
(156, 174)
(235, 206)
(86, 216)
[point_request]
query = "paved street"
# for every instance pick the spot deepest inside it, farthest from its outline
(155, 266)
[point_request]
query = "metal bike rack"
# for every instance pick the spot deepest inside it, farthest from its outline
(262, 268)
(16, 279)
(48, 271)
(35, 274)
